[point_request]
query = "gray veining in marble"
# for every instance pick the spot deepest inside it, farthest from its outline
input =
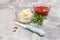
(7, 15)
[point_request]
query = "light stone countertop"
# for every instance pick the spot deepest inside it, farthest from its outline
(51, 25)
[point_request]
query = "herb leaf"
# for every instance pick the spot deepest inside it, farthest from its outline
(38, 19)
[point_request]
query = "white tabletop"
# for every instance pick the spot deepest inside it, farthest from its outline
(51, 25)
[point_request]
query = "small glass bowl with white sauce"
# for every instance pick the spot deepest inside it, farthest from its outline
(24, 14)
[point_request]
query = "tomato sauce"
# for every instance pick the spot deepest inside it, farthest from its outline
(41, 10)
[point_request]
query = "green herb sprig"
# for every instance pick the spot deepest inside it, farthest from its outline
(38, 19)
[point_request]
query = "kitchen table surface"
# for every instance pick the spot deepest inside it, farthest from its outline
(51, 25)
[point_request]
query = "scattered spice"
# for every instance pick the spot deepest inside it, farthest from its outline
(15, 27)
(14, 30)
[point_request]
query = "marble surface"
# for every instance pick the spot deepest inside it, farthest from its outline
(7, 16)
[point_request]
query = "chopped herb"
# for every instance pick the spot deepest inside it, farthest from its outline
(38, 19)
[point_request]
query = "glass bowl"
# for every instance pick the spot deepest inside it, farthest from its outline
(23, 19)
(42, 9)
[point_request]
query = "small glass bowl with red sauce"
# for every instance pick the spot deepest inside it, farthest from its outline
(42, 9)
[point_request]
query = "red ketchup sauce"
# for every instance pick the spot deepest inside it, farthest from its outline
(41, 10)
